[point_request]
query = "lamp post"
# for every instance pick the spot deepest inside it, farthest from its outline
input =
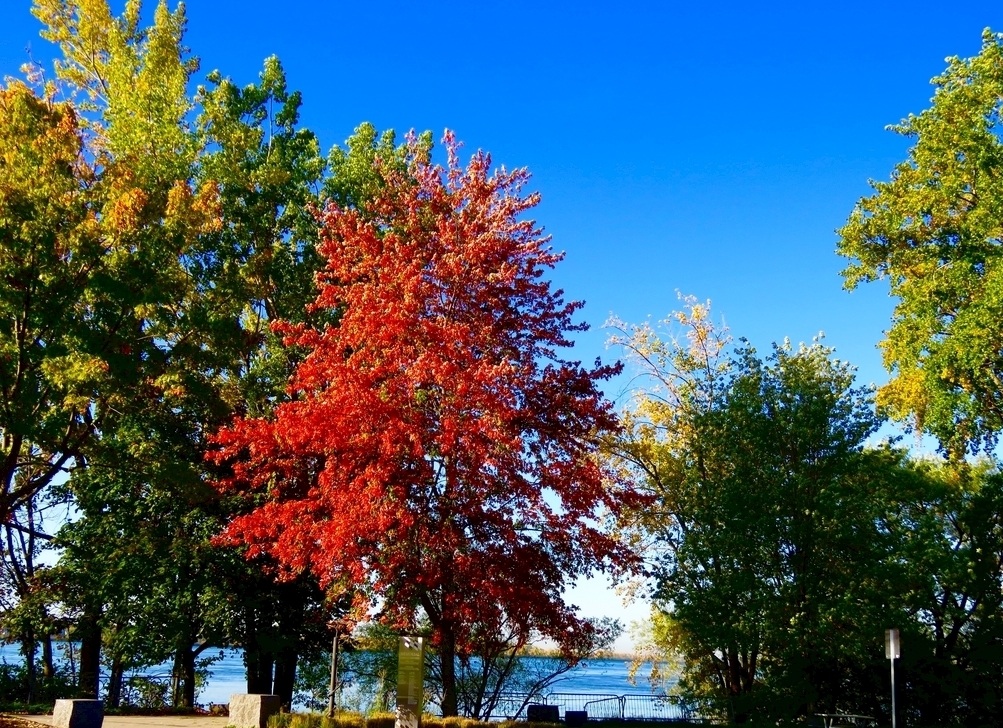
(893, 650)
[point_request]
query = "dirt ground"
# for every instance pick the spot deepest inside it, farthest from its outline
(123, 721)
(16, 721)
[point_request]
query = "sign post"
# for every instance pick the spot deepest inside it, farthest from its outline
(893, 650)
(410, 681)
(332, 688)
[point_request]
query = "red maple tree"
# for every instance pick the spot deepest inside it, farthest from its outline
(437, 451)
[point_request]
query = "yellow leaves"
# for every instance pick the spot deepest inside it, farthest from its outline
(131, 208)
(200, 212)
(933, 230)
(906, 394)
(179, 200)
(137, 78)
(659, 644)
(82, 29)
(43, 178)
(126, 209)
(676, 373)
(208, 207)
(172, 384)
(35, 134)
(270, 176)
(77, 374)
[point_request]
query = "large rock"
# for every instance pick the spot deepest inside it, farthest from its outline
(78, 714)
(251, 710)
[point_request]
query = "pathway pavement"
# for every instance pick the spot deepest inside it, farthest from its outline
(150, 721)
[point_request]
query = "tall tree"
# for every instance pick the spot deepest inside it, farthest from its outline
(764, 516)
(438, 450)
(143, 347)
(201, 234)
(51, 256)
(97, 214)
(949, 542)
(934, 231)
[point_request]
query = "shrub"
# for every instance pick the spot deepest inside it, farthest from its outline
(375, 720)
(14, 685)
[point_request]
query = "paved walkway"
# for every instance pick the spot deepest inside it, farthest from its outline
(150, 721)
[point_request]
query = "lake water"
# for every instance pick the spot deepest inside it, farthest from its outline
(601, 676)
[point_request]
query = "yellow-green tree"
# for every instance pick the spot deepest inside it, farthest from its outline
(143, 242)
(934, 231)
(104, 350)
(51, 252)
(97, 215)
(204, 232)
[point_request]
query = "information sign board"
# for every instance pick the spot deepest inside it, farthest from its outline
(410, 681)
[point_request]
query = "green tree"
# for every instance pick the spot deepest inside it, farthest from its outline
(934, 231)
(202, 233)
(96, 219)
(763, 532)
(26, 615)
(138, 563)
(948, 531)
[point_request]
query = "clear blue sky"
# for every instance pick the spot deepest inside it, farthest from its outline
(711, 149)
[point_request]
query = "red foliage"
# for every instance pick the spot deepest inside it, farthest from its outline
(437, 451)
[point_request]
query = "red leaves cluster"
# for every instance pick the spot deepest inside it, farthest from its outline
(437, 451)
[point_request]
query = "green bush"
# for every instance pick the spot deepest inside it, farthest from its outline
(14, 685)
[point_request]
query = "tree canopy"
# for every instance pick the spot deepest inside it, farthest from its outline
(437, 449)
(281, 391)
(763, 517)
(934, 231)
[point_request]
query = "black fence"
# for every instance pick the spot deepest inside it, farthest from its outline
(596, 705)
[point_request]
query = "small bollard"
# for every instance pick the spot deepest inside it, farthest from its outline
(252, 710)
(542, 713)
(78, 713)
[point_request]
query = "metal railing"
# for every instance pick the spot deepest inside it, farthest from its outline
(597, 705)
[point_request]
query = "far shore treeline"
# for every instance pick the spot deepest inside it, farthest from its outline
(256, 395)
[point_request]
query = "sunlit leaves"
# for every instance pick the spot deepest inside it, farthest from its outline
(934, 231)
(50, 251)
(134, 78)
(439, 449)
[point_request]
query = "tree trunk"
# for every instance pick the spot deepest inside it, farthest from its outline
(29, 649)
(89, 630)
(285, 676)
(48, 667)
(447, 655)
(257, 662)
(184, 672)
(114, 697)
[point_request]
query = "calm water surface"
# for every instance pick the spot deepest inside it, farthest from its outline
(607, 676)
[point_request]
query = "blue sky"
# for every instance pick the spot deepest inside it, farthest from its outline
(708, 149)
